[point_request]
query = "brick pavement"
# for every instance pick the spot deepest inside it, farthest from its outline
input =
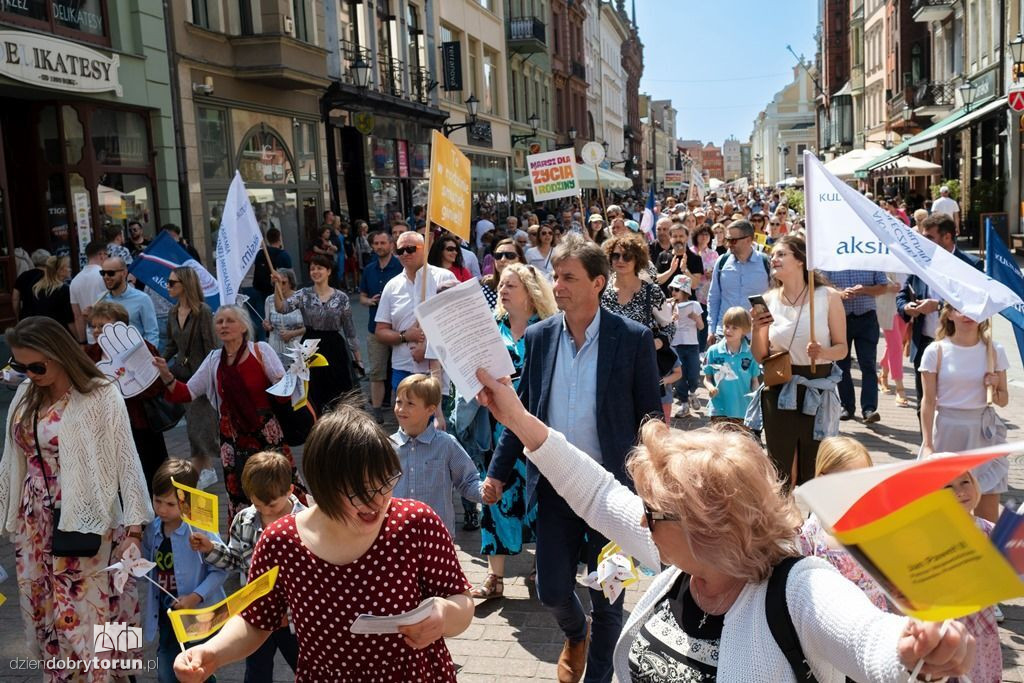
(514, 639)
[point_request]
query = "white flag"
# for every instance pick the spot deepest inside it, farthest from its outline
(238, 241)
(847, 231)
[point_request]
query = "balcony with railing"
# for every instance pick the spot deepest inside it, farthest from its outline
(934, 95)
(527, 35)
(931, 10)
(578, 69)
(351, 53)
(390, 74)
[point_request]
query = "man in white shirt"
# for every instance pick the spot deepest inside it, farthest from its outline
(483, 226)
(396, 317)
(87, 288)
(946, 204)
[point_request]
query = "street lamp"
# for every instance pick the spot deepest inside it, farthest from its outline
(361, 71)
(572, 133)
(1017, 52)
(533, 122)
(472, 107)
(967, 92)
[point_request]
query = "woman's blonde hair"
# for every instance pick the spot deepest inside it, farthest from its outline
(538, 289)
(191, 291)
(726, 493)
(947, 327)
(243, 317)
(50, 338)
(51, 281)
(839, 454)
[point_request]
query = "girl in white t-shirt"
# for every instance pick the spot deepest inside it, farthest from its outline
(955, 414)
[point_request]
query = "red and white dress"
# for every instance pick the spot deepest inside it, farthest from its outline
(411, 559)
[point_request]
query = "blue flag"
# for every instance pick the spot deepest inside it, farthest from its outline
(1001, 266)
(153, 266)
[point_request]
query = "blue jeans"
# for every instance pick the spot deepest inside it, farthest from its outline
(259, 666)
(166, 650)
(562, 539)
(861, 334)
(689, 358)
(396, 378)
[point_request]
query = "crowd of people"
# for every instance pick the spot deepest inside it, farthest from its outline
(616, 326)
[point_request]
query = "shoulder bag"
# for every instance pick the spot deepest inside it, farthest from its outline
(64, 543)
(665, 355)
(778, 367)
(180, 368)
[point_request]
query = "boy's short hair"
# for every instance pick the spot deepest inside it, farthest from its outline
(737, 316)
(182, 471)
(109, 310)
(423, 387)
(267, 476)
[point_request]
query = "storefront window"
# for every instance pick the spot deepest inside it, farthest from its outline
(264, 159)
(74, 137)
(385, 199)
(420, 190)
(305, 151)
(79, 15)
(57, 215)
(119, 138)
(49, 135)
(125, 197)
(29, 9)
(419, 161)
(67, 17)
(213, 143)
(384, 157)
(277, 208)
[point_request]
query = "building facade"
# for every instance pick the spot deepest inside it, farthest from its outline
(633, 66)
(833, 101)
(614, 32)
(875, 84)
(569, 72)
(731, 159)
(712, 161)
(784, 129)
(528, 47)
(87, 138)
(746, 163)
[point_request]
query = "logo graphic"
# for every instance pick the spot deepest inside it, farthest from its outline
(116, 636)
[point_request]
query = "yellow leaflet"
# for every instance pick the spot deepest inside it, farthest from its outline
(199, 624)
(761, 238)
(198, 508)
(3, 598)
(932, 560)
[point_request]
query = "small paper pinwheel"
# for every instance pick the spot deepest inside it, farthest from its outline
(132, 564)
(295, 382)
(614, 572)
(724, 372)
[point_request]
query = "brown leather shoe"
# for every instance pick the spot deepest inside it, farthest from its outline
(573, 659)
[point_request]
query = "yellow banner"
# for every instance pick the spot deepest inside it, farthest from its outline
(199, 624)
(932, 560)
(198, 508)
(449, 201)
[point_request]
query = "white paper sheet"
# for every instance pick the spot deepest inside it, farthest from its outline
(126, 359)
(462, 332)
(368, 623)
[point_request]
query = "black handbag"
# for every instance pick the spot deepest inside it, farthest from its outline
(161, 414)
(64, 543)
(666, 355)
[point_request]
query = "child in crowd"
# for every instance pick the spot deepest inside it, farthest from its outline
(839, 454)
(267, 482)
(988, 662)
(179, 570)
(730, 371)
(687, 315)
(432, 461)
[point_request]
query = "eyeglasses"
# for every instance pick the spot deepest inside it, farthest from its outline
(366, 496)
(775, 223)
(619, 256)
(653, 516)
(23, 368)
(110, 273)
(402, 251)
(505, 255)
(546, 232)
(734, 240)
(173, 282)
(451, 248)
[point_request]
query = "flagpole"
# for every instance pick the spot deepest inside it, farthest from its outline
(583, 214)
(810, 301)
(426, 266)
(807, 252)
(600, 191)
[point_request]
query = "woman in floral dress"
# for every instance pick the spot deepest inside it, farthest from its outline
(85, 465)
(235, 379)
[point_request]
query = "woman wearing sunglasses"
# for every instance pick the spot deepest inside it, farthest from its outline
(540, 256)
(505, 252)
(358, 551)
(69, 456)
(704, 616)
(446, 253)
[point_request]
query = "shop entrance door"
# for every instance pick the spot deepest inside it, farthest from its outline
(8, 269)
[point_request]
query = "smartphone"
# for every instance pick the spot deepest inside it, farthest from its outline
(757, 302)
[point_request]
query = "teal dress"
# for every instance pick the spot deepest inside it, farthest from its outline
(509, 523)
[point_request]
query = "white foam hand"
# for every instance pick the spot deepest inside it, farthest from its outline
(119, 342)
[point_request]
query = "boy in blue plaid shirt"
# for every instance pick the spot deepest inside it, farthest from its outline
(267, 481)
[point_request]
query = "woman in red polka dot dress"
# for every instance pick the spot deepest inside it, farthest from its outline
(358, 551)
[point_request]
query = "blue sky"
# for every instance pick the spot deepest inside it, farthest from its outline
(721, 61)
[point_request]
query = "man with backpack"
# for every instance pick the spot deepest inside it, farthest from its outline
(739, 273)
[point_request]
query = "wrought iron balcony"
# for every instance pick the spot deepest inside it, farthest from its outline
(350, 54)
(931, 10)
(527, 35)
(422, 84)
(391, 71)
(932, 94)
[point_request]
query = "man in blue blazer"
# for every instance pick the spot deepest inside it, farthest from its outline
(915, 302)
(592, 375)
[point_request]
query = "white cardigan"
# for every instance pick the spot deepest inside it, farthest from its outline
(204, 381)
(98, 460)
(840, 631)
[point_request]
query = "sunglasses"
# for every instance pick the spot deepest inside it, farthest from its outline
(110, 273)
(505, 255)
(775, 223)
(734, 240)
(366, 496)
(617, 256)
(546, 232)
(23, 368)
(451, 248)
(173, 282)
(758, 219)
(402, 251)
(653, 516)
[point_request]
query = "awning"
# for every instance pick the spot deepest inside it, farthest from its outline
(843, 167)
(954, 120)
(909, 166)
(610, 180)
(928, 140)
